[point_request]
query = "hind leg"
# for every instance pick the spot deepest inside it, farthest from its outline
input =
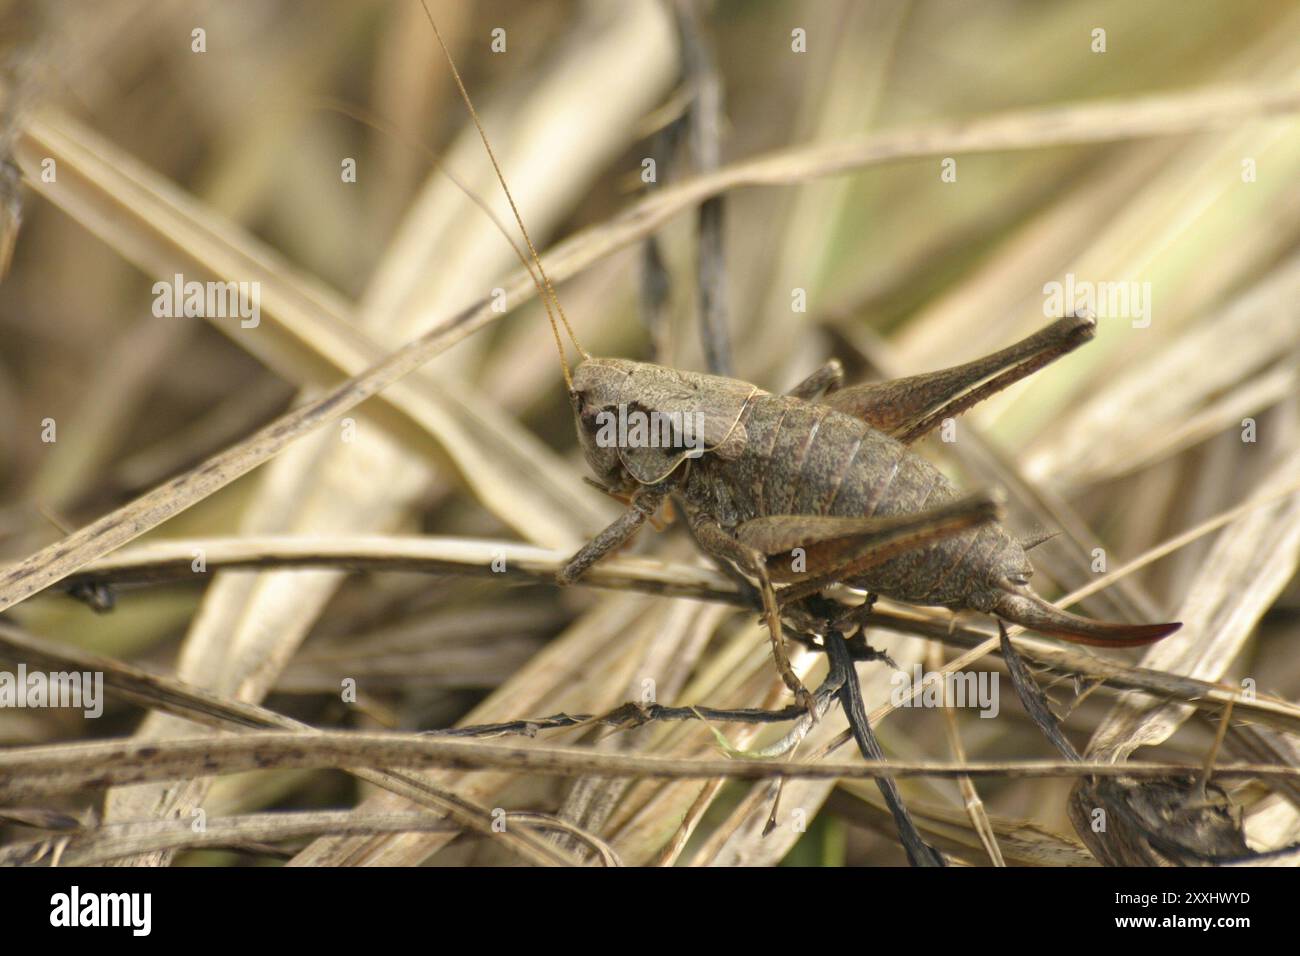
(839, 549)
(908, 408)
(828, 378)
(715, 540)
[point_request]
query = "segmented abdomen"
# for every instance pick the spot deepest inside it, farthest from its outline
(808, 459)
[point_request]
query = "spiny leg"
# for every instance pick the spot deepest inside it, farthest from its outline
(644, 504)
(908, 408)
(716, 541)
(778, 534)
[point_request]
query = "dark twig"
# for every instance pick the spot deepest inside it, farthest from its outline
(705, 119)
(31, 774)
(656, 283)
(625, 717)
(919, 853)
(1032, 697)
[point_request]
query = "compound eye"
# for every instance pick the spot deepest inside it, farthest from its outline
(1020, 578)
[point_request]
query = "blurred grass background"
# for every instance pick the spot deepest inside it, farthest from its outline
(1138, 435)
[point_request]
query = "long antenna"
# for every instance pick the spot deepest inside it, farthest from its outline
(366, 118)
(549, 291)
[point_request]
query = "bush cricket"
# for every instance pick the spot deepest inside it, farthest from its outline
(815, 487)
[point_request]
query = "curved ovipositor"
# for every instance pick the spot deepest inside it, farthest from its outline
(1022, 606)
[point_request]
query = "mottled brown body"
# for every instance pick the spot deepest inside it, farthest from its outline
(805, 458)
(813, 489)
(781, 455)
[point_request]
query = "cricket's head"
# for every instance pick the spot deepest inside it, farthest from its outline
(1009, 596)
(598, 385)
(600, 382)
(639, 423)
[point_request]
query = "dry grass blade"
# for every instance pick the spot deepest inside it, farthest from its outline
(174, 560)
(179, 699)
(306, 332)
(171, 560)
(1029, 129)
(98, 845)
(979, 817)
(31, 773)
(1099, 438)
(52, 564)
(1252, 561)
